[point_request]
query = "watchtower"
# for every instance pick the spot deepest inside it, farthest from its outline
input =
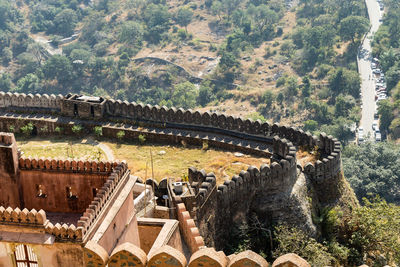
(84, 107)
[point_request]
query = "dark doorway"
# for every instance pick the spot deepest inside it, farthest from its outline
(34, 131)
(75, 109)
(92, 111)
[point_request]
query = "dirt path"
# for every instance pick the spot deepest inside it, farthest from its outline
(107, 151)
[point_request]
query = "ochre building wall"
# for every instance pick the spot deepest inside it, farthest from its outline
(54, 185)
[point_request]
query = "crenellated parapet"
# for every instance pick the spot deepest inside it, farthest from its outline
(38, 219)
(188, 228)
(118, 177)
(67, 165)
(329, 163)
(64, 232)
(22, 217)
(128, 254)
(23, 101)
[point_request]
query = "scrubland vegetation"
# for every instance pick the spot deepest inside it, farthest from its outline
(291, 63)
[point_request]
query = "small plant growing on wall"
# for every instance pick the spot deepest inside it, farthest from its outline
(120, 135)
(205, 145)
(58, 130)
(184, 143)
(44, 129)
(98, 131)
(27, 129)
(76, 129)
(11, 128)
(141, 138)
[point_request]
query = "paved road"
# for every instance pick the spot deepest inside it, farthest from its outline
(364, 66)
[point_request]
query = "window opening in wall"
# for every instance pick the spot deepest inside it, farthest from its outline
(92, 111)
(40, 191)
(70, 194)
(25, 257)
(94, 191)
(75, 109)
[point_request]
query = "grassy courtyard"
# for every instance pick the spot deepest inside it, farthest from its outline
(168, 161)
(60, 148)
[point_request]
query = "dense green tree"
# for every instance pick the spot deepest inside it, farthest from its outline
(184, 95)
(27, 63)
(21, 42)
(217, 9)
(230, 6)
(373, 168)
(306, 86)
(64, 22)
(293, 240)
(268, 98)
(8, 14)
(310, 125)
(345, 81)
(5, 82)
(131, 32)
(344, 104)
(205, 93)
(385, 111)
(340, 128)
(353, 27)
(38, 51)
(292, 87)
(28, 84)
(92, 25)
(6, 55)
(58, 67)
(183, 17)
(157, 20)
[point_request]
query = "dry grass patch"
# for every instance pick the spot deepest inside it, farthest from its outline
(173, 161)
(60, 148)
(304, 156)
(168, 161)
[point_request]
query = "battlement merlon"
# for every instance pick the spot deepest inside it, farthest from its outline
(8, 154)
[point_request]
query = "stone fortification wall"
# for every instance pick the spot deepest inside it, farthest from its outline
(218, 207)
(189, 229)
(327, 171)
(130, 255)
(171, 125)
(28, 103)
(22, 217)
(104, 196)
(163, 117)
(37, 220)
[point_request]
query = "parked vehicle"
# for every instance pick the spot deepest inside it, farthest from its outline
(376, 115)
(360, 138)
(378, 136)
(380, 98)
(375, 125)
(376, 71)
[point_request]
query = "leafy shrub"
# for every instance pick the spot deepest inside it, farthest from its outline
(120, 135)
(98, 130)
(76, 129)
(293, 240)
(27, 129)
(58, 130)
(141, 138)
